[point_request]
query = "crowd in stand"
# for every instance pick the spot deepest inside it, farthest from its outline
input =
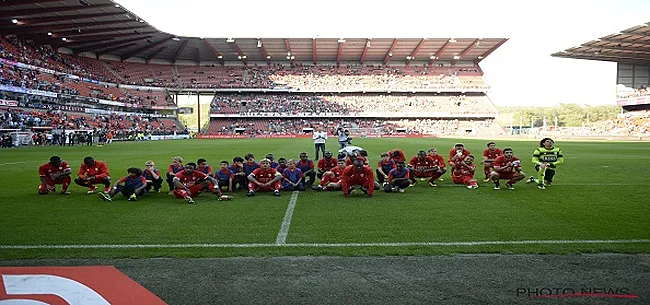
(377, 105)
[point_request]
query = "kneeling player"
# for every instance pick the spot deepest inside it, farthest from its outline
(361, 175)
(398, 179)
(53, 173)
(422, 166)
(190, 183)
(507, 167)
(134, 185)
(264, 178)
(463, 172)
(332, 179)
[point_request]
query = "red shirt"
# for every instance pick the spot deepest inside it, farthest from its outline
(350, 173)
(99, 170)
(325, 165)
(264, 176)
(492, 154)
(190, 180)
(400, 158)
(47, 170)
(452, 156)
(338, 173)
(438, 160)
(422, 164)
(502, 161)
(461, 170)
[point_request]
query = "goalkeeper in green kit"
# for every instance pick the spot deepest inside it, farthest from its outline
(546, 157)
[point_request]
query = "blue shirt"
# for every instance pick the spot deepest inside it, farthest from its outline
(304, 167)
(249, 168)
(293, 176)
(387, 167)
(221, 176)
(398, 174)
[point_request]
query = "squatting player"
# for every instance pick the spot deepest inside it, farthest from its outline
(93, 172)
(53, 173)
(489, 155)
(463, 172)
(507, 167)
(546, 157)
(361, 175)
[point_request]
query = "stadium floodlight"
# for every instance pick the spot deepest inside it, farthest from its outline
(456, 57)
(268, 56)
(390, 54)
(117, 5)
(239, 57)
(432, 57)
(220, 56)
(288, 53)
(408, 57)
(259, 43)
(230, 40)
(243, 57)
(141, 21)
(293, 57)
(480, 57)
(368, 43)
(49, 33)
(341, 40)
(14, 21)
(288, 57)
(452, 40)
(64, 39)
(176, 39)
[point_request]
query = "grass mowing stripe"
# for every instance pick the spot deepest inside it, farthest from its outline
(286, 222)
(338, 245)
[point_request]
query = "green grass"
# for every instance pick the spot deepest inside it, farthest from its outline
(598, 194)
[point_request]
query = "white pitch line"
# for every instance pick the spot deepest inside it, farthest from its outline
(335, 245)
(20, 162)
(286, 222)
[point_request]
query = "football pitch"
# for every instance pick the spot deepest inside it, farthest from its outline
(596, 204)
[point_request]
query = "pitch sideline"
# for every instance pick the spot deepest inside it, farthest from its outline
(334, 245)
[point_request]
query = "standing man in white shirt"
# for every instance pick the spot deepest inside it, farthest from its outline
(344, 137)
(320, 137)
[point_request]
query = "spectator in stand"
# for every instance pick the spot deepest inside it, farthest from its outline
(93, 172)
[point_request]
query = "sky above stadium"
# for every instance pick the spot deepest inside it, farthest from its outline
(521, 72)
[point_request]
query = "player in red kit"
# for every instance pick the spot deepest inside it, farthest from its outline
(53, 173)
(264, 178)
(190, 183)
(93, 172)
(422, 166)
(438, 165)
(507, 166)
(463, 172)
(456, 154)
(325, 164)
(489, 155)
(358, 174)
(332, 179)
(397, 155)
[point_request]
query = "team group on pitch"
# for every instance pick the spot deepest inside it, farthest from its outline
(347, 171)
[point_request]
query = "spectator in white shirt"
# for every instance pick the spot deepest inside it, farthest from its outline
(320, 137)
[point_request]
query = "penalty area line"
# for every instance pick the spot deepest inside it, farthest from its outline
(286, 221)
(333, 245)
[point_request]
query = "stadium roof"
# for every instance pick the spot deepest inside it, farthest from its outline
(630, 46)
(104, 27)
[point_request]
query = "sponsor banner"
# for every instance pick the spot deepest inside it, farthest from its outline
(8, 103)
(307, 136)
(641, 100)
(91, 285)
(12, 89)
(88, 80)
(40, 92)
(141, 88)
(170, 137)
(164, 107)
(113, 103)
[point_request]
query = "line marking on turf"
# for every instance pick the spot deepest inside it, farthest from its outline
(335, 245)
(286, 222)
(21, 162)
